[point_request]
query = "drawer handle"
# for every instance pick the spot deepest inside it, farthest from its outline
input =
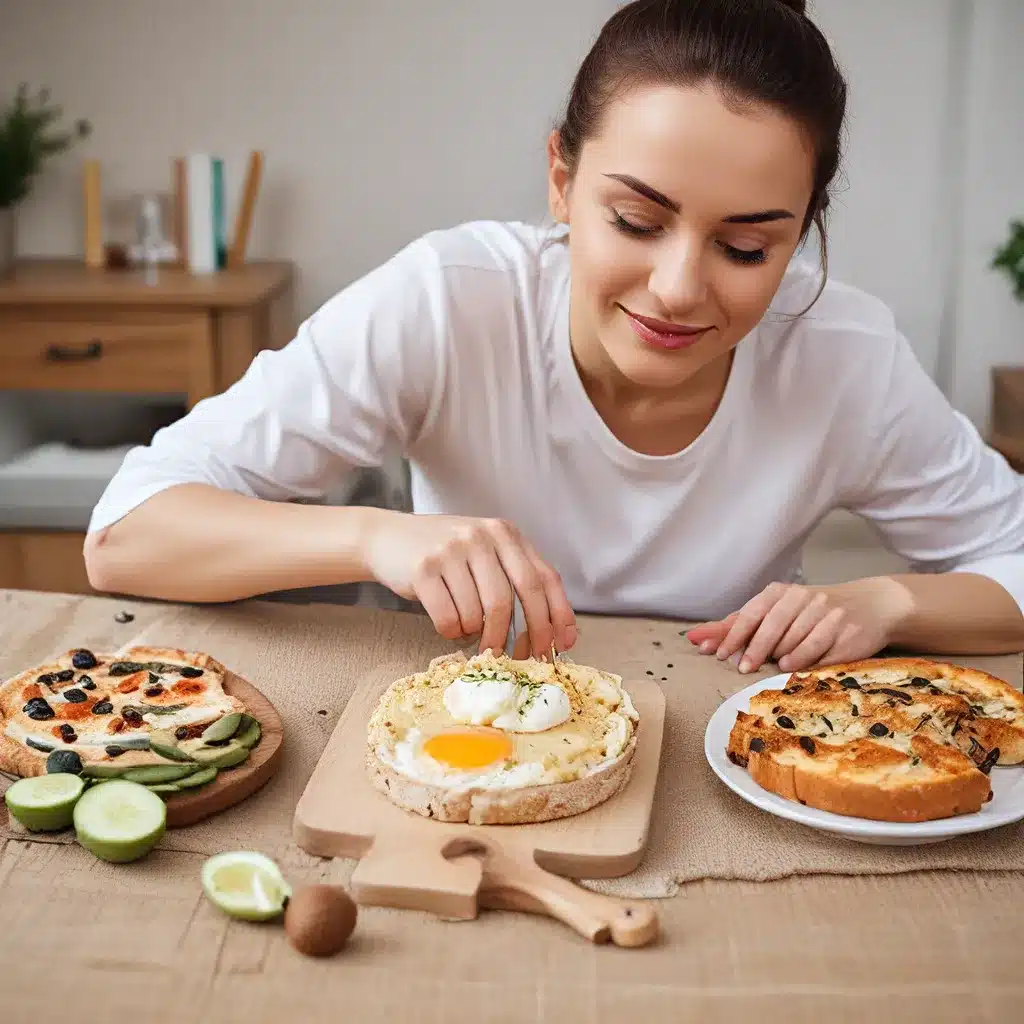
(74, 353)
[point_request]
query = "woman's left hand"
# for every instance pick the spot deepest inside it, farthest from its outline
(799, 626)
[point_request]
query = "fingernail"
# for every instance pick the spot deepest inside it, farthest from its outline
(720, 654)
(707, 647)
(745, 665)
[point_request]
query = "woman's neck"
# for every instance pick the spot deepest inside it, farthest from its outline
(651, 421)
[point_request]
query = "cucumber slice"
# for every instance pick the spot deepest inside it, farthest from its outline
(119, 821)
(152, 773)
(245, 884)
(45, 803)
(105, 771)
(199, 778)
(250, 735)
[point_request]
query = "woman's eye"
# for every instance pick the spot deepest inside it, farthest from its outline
(632, 229)
(747, 257)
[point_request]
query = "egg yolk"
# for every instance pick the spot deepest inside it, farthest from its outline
(468, 748)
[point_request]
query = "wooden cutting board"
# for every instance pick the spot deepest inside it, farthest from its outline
(234, 784)
(409, 861)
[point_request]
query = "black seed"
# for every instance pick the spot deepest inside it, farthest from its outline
(40, 712)
(83, 659)
(914, 762)
(920, 681)
(757, 745)
(792, 689)
(849, 684)
(664, 679)
(822, 685)
(657, 643)
(35, 702)
(103, 707)
(878, 730)
(854, 711)
(63, 761)
(807, 743)
(670, 665)
(898, 694)
(115, 751)
(123, 617)
(649, 672)
(321, 712)
(181, 732)
(776, 709)
(131, 716)
(65, 729)
(70, 737)
(785, 722)
(822, 735)
(86, 683)
(935, 691)
(153, 691)
(828, 723)
(990, 760)
(191, 672)
(45, 679)
(64, 676)
(74, 696)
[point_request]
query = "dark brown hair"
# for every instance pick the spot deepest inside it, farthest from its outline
(763, 52)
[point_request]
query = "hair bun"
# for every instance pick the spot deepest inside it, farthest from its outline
(800, 6)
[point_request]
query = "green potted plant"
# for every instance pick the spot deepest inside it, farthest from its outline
(29, 136)
(1009, 258)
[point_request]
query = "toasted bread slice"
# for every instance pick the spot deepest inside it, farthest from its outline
(894, 739)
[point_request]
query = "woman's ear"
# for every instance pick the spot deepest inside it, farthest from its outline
(559, 180)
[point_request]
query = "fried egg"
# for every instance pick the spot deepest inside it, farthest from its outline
(494, 722)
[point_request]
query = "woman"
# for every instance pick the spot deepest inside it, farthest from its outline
(645, 411)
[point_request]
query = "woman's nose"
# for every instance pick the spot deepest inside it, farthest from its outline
(677, 278)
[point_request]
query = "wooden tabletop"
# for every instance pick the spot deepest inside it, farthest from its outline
(139, 941)
(56, 282)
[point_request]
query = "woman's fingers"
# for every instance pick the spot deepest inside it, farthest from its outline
(749, 620)
(437, 602)
(814, 611)
(464, 592)
(819, 642)
(528, 583)
(495, 596)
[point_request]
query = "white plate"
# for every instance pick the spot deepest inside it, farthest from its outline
(1005, 807)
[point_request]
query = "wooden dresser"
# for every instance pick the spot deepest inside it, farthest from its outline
(65, 327)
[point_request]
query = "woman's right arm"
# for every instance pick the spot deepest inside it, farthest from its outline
(206, 512)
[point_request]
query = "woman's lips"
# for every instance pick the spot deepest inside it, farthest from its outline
(662, 334)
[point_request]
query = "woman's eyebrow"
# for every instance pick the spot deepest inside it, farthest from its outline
(651, 193)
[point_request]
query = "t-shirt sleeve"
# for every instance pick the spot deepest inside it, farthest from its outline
(359, 381)
(939, 496)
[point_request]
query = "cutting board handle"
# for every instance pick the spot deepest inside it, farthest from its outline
(519, 884)
(413, 872)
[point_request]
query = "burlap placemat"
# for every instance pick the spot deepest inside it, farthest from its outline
(309, 659)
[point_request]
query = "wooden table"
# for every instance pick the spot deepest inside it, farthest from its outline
(66, 327)
(138, 942)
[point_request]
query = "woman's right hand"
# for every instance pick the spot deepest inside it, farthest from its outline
(465, 572)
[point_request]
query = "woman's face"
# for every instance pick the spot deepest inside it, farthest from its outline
(683, 215)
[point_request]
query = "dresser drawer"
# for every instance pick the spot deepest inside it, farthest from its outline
(144, 352)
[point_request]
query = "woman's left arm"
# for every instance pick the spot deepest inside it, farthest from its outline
(939, 497)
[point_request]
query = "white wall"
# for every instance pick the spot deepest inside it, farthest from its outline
(384, 118)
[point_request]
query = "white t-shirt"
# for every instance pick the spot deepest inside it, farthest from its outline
(455, 352)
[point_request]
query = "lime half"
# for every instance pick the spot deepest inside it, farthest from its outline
(119, 820)
(245, 884)
(44, 803)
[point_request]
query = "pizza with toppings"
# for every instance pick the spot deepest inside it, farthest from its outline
(890, 739)
(146, 713)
